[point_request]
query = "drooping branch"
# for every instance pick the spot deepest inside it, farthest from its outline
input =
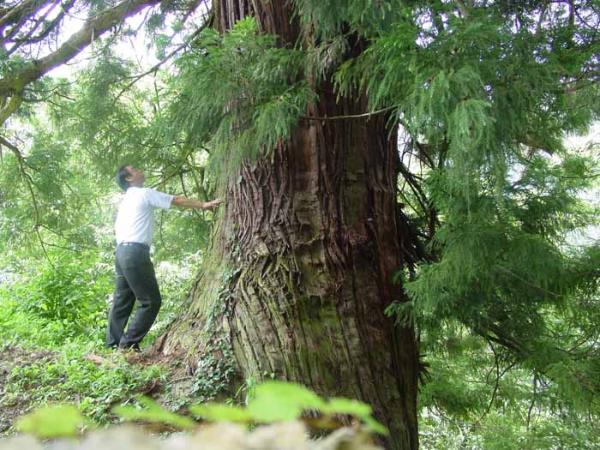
(10, 107)
(18, 12)
(29, 17)
(14, 84)
(29, 183)
(174, 52)
(47, 28)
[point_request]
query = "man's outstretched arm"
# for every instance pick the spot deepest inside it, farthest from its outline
(184, 202)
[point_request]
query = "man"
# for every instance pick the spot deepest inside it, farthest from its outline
(135, 277)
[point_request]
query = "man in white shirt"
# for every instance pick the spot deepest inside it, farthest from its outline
(135, 277)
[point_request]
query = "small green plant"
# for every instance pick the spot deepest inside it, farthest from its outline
(273, 401)
(150, 411)
(52, 421)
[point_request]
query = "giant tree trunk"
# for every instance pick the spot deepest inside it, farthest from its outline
(306, 248)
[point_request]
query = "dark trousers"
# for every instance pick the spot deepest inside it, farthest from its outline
(135, 279)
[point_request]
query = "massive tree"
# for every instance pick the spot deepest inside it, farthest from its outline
(311, 237)
(313, 231)
(312, 111)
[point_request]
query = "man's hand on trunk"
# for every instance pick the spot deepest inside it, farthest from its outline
(212, 204)
(184, 202)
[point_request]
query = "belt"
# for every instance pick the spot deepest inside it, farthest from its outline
(135, 244)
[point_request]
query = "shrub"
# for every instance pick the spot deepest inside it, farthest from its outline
(67, 295)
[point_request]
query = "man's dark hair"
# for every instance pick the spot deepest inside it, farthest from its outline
(122, 175)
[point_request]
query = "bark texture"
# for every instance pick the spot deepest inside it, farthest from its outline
(311, 238)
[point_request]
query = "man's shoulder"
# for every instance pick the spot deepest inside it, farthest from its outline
(135, 191)
(135, 194)
(148, 195)
(149, 192)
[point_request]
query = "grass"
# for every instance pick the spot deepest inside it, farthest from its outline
(51, 320)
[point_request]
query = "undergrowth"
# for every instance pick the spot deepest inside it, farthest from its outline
(52, 318)
(65, 376)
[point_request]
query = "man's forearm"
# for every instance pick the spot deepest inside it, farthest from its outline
(184, 202)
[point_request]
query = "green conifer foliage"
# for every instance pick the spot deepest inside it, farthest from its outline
(486, 99)
(485, 93)
(239, 94)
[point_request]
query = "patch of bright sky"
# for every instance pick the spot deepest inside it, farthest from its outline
(588, 144)
(136, 46)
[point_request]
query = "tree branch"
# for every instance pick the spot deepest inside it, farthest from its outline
(29, 182)
(155, 67)
(105, 20)
(36, 23)
(350, 116)
(30, 39)
(10, 107)
(16, 13)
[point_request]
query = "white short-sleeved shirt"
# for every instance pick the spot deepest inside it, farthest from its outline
(135, 219)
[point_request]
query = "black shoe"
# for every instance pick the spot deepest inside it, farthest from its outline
(133, 347)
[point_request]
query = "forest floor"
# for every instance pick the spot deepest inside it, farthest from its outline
(96, 381)
(15, 404)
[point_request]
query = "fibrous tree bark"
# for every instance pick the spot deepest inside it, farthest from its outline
(310, 239)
